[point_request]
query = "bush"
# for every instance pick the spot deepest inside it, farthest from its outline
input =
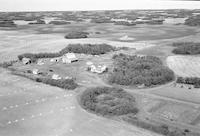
(188, 48)
(76, 35)
(134, 70)
(108, 101)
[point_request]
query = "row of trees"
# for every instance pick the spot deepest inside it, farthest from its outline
(77, 35)
(193, 21)
(62, 83)
(136, 70)
(125, 23)
(160, 129)
(7, 23)
(59, 22)
(188, 48)
(195, 81)
(69, 84)
(94, 49)
(108, 101)
(7, 64)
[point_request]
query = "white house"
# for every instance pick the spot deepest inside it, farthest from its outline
(56, 77)
(69, 58)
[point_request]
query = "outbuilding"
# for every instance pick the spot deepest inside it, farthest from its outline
(56, 77)
(35, 71)
(26, 61)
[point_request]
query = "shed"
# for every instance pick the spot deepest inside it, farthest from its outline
(35, 71)
(56, 77)
(55, 60)
(26, 61)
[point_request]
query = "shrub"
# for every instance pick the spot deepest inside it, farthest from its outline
(108, 101)
(134, 70)
(76, 35)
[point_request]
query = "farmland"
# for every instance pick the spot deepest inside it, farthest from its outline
(32, 108)
(186, 66)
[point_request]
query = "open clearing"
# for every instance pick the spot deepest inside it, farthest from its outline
(185, 66)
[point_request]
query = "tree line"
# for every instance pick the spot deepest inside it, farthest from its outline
(61, 83)
(93, 49)
(195, 81)
(187, 48)
(136, 70)
(77, 35)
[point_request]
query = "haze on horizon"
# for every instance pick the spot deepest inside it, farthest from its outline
(65, 5)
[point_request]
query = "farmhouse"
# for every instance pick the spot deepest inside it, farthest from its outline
(56, 77)
(26, 61)
(97, 69)
(69, 58)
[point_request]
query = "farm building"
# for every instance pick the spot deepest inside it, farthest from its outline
(69, 58)
(56, 77)
(35, 71)
(26, 61)
(97, 69)
(40, 62)
(55, 60)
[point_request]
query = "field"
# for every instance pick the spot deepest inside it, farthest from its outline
(28, 108)
(185, 66)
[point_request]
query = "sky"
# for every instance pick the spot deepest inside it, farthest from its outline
(65, 5)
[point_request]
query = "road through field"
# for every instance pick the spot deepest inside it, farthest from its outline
(28, 108)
